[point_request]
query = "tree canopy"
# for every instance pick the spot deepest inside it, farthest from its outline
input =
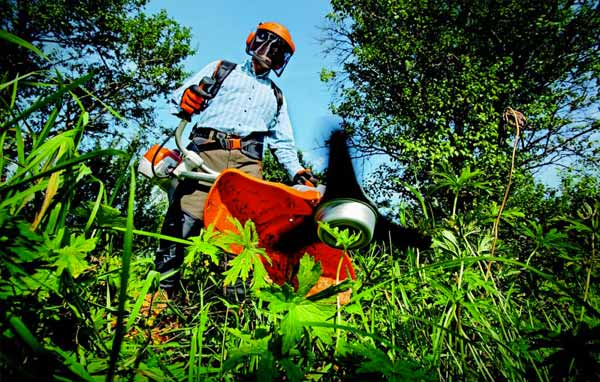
(427, 82)
(135, 57)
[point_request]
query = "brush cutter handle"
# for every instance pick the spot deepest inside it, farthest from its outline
(192, 166)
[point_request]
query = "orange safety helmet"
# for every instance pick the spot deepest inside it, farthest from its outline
(275, 42)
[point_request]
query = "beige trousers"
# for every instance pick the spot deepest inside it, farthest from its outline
(192, 194)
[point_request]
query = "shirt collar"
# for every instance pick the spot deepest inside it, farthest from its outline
(249, 68)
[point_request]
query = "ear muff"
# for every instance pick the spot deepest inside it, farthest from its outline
(251, 36)
(249, 39)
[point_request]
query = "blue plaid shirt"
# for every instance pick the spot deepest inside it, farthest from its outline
(245, 104)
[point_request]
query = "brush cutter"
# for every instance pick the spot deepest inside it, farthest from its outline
(342, 213)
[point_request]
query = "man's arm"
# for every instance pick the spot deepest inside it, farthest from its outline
(281, 141)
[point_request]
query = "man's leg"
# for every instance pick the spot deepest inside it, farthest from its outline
(169, 255)
(182, 219)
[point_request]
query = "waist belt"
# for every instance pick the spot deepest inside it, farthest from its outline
(210, 139)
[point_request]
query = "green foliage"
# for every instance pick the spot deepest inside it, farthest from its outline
(457, 184)
(343, 238)
(375, 361)
(135, 59)
(54, 261)
(273, 171)
(250, 258)
(427, 83)
(72, 257)
(78, 301)
(286, 348)
(296, 308)
(207, 243)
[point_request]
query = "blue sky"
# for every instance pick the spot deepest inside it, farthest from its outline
(219, 31)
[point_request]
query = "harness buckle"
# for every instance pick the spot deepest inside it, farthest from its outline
(233, 143)
(227, 141)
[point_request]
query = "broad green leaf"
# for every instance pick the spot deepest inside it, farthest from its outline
(291, 328)
(250, 258)
(249, 346)
(308, 274)
(200, 247)
(304, 311)
(72, 257)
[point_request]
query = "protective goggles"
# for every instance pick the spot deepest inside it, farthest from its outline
(269, 45)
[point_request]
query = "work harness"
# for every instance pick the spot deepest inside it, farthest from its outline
(206, 138)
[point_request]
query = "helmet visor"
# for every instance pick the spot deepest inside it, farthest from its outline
(271, 49)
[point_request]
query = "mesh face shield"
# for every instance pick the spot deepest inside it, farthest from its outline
(270, 49)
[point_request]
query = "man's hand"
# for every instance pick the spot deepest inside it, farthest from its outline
(191, 101)
(306, 178)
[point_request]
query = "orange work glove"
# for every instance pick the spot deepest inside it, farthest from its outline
(306, 178)
(192, 101)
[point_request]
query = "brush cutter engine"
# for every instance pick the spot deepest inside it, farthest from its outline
(158, 163)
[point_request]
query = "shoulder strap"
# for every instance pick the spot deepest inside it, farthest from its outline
(278, 96)
(223, 69)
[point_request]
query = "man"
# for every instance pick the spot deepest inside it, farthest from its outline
(231, 129)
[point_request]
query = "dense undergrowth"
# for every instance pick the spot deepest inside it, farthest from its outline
(75, 274)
